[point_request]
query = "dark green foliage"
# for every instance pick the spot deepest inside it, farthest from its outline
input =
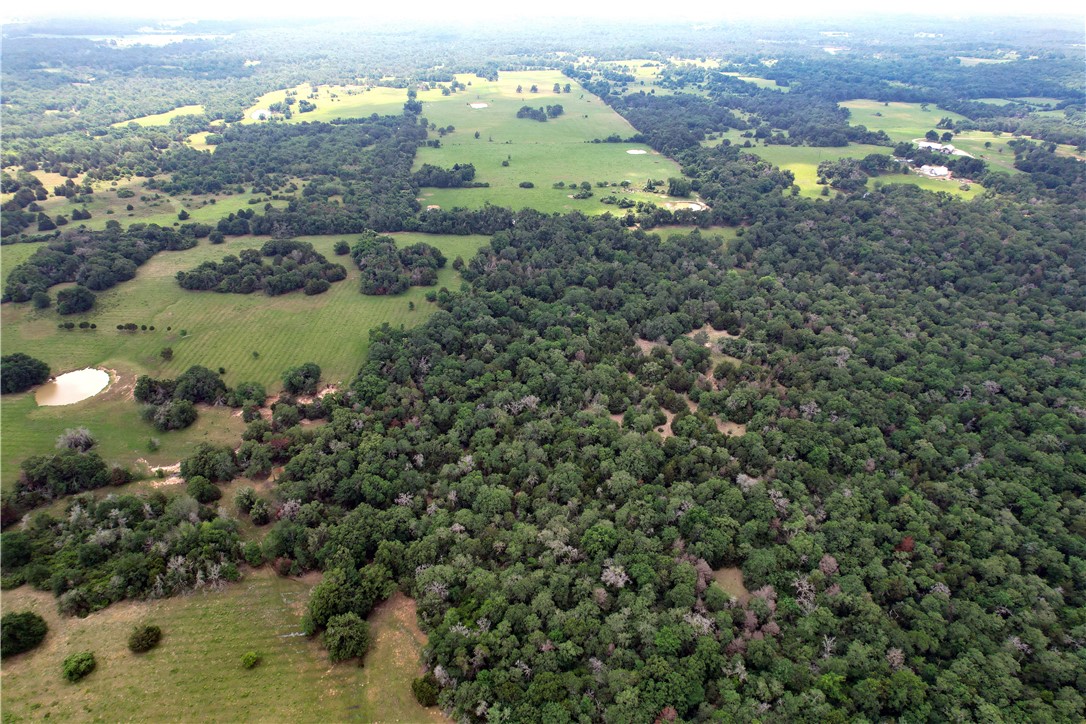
(216, 463)
(386, 270)
(19, 372)
(303, 379)
(341, 248)
(291, 265)
(114, 259)
(124, 546)
(171, 415)
(461, 174)
(78, 666)
(202, 489)
(47, 477)
(20, 631)
(74, 300)
(425, 690)
(41, 300)
(345, 589)
(144, 638)
(346, 637)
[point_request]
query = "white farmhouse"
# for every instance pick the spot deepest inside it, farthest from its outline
(935, 171)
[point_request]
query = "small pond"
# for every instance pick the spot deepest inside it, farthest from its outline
(72, 387)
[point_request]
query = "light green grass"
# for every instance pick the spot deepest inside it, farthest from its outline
(763, 83)
(543, 153)
(723, 233)
(803, 162)
(331, 329)
(349, 101)
(12, 256)
(198, 141)
(163, 119)
(114, 419)
(901, 121)
(105, 206)
(195, 673)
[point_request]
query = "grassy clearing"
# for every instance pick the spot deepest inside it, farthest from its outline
(970, 62)
(392, 662)
(152, 207)
(222, 330)
(163, 119)
(198, 141)
(760, 82)
(195, 673)
(724, 233)
(12, 256)
(803, 162)
(901, 121)
(542, 153)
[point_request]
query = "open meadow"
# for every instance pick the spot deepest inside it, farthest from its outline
(195, 673)
(163, 119)
(803, 162)
(511, 150)
(110, 201)
(254, 337)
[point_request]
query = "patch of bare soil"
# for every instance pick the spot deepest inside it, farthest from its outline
(647, 346)
(731, 580)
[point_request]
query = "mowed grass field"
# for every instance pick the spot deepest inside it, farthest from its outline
(195, 673)
(901, 121)
(803, 162)
(163, 119)
(221, 330)
(541, 153)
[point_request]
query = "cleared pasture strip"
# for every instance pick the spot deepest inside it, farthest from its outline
(195, 673)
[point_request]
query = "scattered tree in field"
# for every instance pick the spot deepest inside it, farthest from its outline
(250, 659)
(202, 489)
(346, 636)
(77, 666)
(303, 379)
(74, 300)
(19, 372)
(20, 631)
(144, 638)
(166, 353)
(425, 689)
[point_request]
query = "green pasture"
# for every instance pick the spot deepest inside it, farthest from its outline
(151, 207)
(195, 673)
(803, 162)
(198, 141)
(901, 121)
(542, 153)
(335, 101)
(163, 119)
(221, 330)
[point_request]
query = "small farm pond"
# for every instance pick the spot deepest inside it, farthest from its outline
(72, 387)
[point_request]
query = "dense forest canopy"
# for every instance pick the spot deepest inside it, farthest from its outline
(869, 406)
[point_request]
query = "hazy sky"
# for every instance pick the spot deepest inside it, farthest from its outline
(510, 9)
